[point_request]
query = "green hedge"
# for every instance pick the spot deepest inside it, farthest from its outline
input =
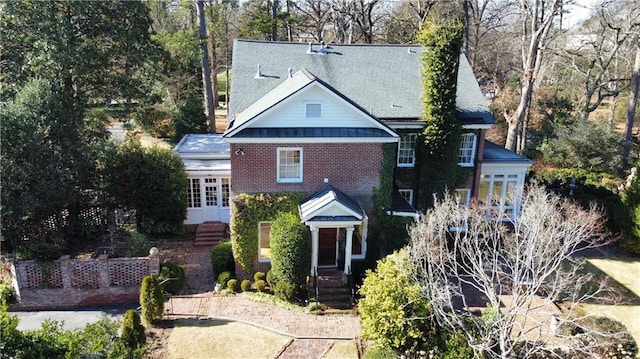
(290, 254)
(176, 273)
(248, 211)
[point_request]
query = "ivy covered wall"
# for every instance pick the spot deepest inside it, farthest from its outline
(438, 144)
(250, 209)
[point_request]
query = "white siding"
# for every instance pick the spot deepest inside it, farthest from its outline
(335, 112)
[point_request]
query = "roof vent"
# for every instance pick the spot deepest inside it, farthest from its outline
(310, 50)
(259, 74)
(290, 72)
(411, 51)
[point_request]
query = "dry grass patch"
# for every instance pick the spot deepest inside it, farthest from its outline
(222, 339)
(342, 349)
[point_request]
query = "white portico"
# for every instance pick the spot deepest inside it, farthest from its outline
(338, 229)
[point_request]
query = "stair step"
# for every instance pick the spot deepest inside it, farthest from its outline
(337, 305)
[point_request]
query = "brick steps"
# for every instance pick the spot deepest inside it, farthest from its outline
(210, 233)
(333, 291)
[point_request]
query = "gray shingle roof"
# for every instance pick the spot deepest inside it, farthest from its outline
(494, 153)
(324, 198)
(384, 80)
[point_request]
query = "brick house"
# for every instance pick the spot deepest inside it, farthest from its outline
(316, 119)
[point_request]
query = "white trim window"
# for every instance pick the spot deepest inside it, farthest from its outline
(407, 194)
(462, 196)
(407, 150)
(500, 193)
(224, 188)
(467, 153)
(264, 242)
(193, 193)
(313, 110)
(289, 165)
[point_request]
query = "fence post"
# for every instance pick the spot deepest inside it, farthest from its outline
(65, 270)
(103, 270)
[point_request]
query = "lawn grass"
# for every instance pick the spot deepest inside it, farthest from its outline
(625, 273)
(342, 349)
(194, 339)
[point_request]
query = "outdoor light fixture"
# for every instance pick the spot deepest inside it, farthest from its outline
(240, 152)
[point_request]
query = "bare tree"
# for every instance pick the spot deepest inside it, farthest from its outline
(594, 52)
(514, 272)
(316, 16)
(537, 22)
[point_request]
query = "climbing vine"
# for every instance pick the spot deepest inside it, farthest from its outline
(251, 209)
(437, 146)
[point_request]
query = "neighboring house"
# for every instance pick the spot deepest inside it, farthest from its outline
(316, 119)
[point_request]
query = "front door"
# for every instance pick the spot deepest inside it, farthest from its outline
(327, 247)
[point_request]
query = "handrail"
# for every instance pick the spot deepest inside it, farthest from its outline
(350, 284)
(316, 289)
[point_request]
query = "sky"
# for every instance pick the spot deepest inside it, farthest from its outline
(579, 11)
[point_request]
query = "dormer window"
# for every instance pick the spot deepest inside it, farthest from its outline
(313, 110)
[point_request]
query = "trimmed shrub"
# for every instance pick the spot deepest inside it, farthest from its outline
(151, 299)
(133, 335)
(260, 286)
(245, 285)
(222, 258)
(259, 276)
(232, 284)
(137, 245)
(285, 290)
(223, 278)
(38, 251)
(290, 254)
(176, 273)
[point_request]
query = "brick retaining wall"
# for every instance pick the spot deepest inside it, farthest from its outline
(68, 283)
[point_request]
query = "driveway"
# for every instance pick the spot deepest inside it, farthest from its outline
(72, 319)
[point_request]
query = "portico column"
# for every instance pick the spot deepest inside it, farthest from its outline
(314, 249)
(348, 249)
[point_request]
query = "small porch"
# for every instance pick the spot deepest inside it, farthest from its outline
(338, 229)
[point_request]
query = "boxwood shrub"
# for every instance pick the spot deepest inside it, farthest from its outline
(232, 285)
(222, 258)
(245, 285)
(174, 271)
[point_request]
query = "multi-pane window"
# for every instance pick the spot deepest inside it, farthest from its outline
(264, 244)
(498, 192)
(313, 110)
(210, 192)
(289, 164)
(193, 193)
(224, 188)
(407, 194)
(467, 149)
(462, 196)
(407, 150)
